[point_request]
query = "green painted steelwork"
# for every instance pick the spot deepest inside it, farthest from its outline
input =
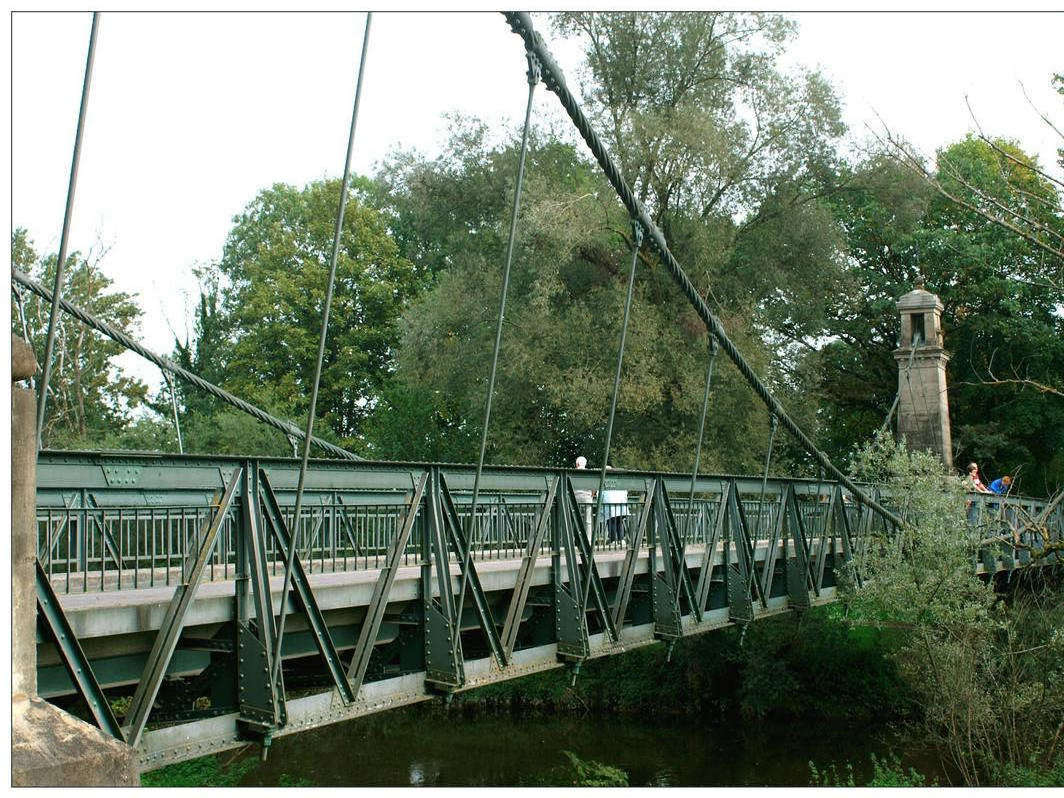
(119, 523)
(50, 614)
(166, 640)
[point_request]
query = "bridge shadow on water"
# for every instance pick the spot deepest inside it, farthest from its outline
(430, 746)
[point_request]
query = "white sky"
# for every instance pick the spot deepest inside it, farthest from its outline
(191, 114)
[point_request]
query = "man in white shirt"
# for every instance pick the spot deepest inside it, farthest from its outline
(614, 512)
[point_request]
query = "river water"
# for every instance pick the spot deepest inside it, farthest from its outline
(430, 746)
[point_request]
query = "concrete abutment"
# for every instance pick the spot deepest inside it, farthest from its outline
(49, 747)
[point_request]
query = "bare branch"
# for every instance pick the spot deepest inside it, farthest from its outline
(903, 156)
(1040, 387)
(983, 137)
(1045, 118)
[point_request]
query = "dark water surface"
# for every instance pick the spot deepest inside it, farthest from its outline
(434, 747)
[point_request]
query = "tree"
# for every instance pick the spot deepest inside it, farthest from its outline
(986, 671)
(563, 318)
(91, 399)
(1000, 316)
(730, 155)
(274, 270)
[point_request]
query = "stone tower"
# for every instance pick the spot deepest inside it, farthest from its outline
(923, 404)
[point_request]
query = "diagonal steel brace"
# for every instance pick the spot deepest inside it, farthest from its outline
(304, 594)
(516, 607)
(77, 665)
(367, 635)
(170, 630)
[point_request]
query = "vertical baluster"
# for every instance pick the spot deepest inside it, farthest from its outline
(68, 540)
(332, 533)
(362, 538)
(183, 551)
(376, 539)
(136, 548)
(48, 539)
(103, 547)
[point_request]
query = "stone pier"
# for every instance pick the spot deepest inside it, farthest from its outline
(49, 747)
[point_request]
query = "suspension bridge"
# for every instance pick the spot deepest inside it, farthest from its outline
(221, 600)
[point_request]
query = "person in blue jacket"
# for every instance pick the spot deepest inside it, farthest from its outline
(1002, 485)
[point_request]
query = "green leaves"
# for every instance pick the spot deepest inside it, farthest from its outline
(275, 270)
(1000, 293)
(90, 398)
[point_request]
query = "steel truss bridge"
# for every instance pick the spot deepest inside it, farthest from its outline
(157, 567)
(161, 571)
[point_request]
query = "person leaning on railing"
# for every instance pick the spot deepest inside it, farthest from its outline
(614, 512)
(973, 484)
(972, 481)
(1001, 485)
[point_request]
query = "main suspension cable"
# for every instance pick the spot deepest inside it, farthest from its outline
(534, 75)
(333, 257)
(119, 337)
(64, 237)
(521, 23)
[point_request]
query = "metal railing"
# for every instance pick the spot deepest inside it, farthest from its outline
(86, 549)
(118, 522)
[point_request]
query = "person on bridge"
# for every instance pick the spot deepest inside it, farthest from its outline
(1002, 485)
(583, 497)
(972, 482)
(614, 513)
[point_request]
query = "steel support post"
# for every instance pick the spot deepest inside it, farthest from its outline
(261, 698)
(570, 624)
(799, 576)
(444, 667)
(738, 574)
(662, 585)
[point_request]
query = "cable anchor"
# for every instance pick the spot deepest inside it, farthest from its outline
(535, 69)
(637, 233)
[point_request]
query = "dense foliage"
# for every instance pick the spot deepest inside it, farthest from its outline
(801, 249)
(984, 667)
(90, 398)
